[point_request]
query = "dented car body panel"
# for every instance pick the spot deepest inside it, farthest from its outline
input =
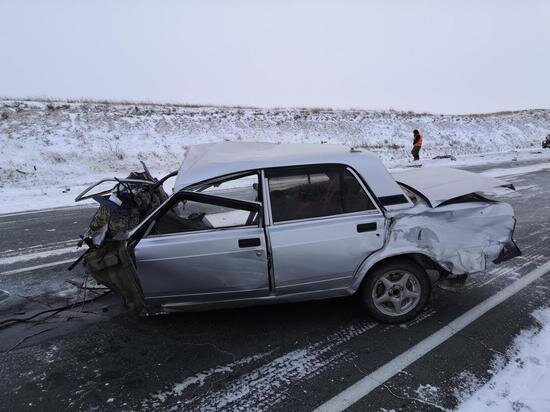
(461, 238)
(273, 227)
(214, 265)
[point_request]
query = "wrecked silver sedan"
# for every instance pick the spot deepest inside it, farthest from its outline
(256, 223)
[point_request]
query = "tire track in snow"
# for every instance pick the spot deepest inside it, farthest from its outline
(198, 380)
(428, 312)
(270, 383)
(11, 256)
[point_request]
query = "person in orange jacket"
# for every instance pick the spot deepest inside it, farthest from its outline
(417, 144)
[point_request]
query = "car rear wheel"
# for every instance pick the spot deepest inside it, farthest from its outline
(396, 291)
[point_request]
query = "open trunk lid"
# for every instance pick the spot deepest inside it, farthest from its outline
(440, 184)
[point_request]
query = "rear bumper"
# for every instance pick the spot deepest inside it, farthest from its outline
(509, 251)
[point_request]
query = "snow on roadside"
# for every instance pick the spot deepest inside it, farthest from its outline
(524, 382)
(517, 170)
(50, 151)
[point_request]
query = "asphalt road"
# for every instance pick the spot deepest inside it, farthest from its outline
(286, 357)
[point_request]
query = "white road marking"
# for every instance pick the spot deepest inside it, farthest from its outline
(8, 222)
(38, 255)
(52, 209)
(370, 382)
(39, 247)
(29, 268)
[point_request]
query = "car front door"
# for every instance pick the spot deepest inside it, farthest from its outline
(202, 248)
(323, 224)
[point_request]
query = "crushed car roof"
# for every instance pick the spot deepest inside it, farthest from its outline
(439, 184)
(207, 161)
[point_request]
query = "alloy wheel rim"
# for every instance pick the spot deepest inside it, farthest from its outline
(396, 292)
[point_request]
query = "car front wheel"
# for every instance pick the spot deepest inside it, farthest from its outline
(396, 291)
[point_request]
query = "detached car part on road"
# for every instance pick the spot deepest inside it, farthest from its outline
(255, 223)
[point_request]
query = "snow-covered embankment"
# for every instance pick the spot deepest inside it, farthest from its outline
(50, 150)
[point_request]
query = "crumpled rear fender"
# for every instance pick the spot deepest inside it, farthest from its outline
(386, 253)
(459, 237)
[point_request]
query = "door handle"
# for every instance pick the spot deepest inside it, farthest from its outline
(255, 241)
(366, 227)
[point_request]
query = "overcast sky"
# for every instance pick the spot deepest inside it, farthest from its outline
(440, 56)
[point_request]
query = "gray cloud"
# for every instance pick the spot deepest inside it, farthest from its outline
(440, 56)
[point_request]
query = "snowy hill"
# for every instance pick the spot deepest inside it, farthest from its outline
(49, 147)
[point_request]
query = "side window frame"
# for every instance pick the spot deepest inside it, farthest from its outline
(201, 186)
(374, 200)
(268, 211)
(143, 229)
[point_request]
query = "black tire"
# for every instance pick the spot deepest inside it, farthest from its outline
(420, 281)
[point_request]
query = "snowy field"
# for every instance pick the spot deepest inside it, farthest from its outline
(50, 151)
(523, 382)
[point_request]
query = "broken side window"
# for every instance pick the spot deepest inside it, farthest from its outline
(189, 216)
(239, 187)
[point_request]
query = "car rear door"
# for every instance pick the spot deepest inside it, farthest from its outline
(201, 248)
(322, 225)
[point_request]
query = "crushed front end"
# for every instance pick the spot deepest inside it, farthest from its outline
(109, 259)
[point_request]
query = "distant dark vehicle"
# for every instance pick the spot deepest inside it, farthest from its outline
(546, 142)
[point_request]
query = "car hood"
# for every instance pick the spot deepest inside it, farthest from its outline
(440, 184)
